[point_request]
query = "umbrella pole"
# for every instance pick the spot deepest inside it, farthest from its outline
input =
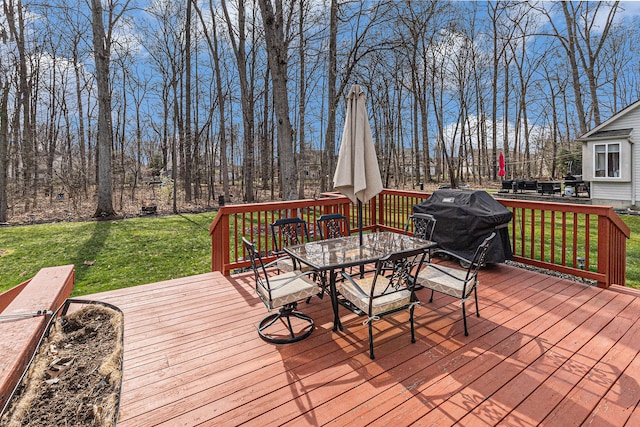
(360, 232)
(360, 220)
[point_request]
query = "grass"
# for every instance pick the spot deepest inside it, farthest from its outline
(117, 254)
(573, 223)
(633, 251)
(109, 254)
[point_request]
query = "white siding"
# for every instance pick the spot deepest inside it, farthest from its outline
(610, 190)
(620, 194)
(636, 168)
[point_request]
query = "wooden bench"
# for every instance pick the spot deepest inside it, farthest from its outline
(46, 291)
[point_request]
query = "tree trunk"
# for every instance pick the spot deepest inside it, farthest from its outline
(4, 143)
(277, 55)
(327, 166)
(81, 131)
(302, 170)
(188, 134)
(570, 47)
(24, 95)
(239, 49)
(101, 48)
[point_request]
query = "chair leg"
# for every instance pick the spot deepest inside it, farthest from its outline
(371, 341)
(464, 319)
(475, 294)
(431, 299)
(413, 334)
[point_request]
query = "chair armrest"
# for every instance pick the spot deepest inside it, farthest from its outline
(444, 272)
(271, 263)
(452, 255)
(354, 283)
(282, 254)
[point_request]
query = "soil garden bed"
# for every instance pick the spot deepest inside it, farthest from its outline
(75, 376)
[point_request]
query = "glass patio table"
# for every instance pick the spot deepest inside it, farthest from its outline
(332, 255)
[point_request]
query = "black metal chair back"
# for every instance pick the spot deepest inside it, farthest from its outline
(259, 269)
(331, 226)
(423, 225)
(288, 232)
(478, 260)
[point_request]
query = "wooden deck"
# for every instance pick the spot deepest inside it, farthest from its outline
(545, 350)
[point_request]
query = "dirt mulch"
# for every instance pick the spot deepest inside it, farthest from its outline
(76, 375)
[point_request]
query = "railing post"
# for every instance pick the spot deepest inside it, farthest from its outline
(220, 255)
(381, 219)
(604, 246)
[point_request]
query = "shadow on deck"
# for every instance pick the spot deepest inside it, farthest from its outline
(545, 350)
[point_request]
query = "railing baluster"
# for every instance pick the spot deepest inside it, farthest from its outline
(543, 215)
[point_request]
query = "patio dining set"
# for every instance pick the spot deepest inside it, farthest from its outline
(373, 275)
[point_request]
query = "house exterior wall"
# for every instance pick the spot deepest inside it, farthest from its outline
(625, 161)
(619, 192)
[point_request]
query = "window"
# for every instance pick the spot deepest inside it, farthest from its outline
(607, 160)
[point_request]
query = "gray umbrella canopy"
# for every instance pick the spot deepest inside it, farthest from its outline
(357, 173)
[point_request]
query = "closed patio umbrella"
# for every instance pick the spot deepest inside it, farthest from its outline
(357, 175)
(501, 171)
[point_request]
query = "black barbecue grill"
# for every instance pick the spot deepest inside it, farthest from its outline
(464, 219)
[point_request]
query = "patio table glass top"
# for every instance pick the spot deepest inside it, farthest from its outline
(346, 251)
(334, 254)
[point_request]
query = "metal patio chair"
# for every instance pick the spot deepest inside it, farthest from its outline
(456, 282)
(282, 291)
(387, 291)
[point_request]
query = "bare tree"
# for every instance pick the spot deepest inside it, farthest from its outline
(527, 62)
(277, 51)
(102, 52)
(4, 144)
(593, 41)
(620, 52)
(569, 42)
(501, 35)
(14, 13)
(303, 97)
(367, 24)
(212, 41)
(417, 19)
(239, 49)
(188, 135)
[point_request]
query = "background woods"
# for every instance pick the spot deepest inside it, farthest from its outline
(124, 103)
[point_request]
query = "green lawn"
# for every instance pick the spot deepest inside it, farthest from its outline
(109, 254)
(633, 251)
(116, 254)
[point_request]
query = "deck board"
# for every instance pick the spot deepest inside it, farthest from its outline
(545, 349)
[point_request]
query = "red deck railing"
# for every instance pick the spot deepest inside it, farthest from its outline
(582, 240)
